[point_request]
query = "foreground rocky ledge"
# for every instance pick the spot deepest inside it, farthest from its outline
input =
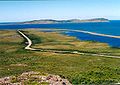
(34, 78)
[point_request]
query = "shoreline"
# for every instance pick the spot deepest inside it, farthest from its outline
(28, 47)
(98, 34)
(87, 32)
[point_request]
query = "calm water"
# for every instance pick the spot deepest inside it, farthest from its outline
(111, 28)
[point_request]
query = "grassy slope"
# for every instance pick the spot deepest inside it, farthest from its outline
(77, 68)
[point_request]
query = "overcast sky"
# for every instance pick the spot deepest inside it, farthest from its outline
(58, 9)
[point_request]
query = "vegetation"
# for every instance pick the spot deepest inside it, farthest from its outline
(78, 69)
(54, 40)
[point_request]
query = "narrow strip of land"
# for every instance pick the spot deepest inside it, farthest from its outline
(87, 32)
(98, 34)
(28, 47)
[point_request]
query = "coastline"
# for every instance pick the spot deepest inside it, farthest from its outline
(28, 47)
(87, 32)
(98, 34)
(111, 40)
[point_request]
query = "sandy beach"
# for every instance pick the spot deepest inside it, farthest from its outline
(87, 32)
(98, 34)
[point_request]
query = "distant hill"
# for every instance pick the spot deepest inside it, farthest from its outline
(50, 21)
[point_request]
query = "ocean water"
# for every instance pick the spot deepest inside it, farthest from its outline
(110, 28)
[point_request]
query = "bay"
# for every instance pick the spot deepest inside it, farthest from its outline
(108, 28)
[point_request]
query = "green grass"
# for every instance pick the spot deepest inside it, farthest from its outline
(55, 41)
(78, 69)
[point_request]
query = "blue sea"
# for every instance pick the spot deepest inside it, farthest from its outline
(110, 28)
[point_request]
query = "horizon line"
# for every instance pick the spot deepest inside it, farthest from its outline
(45, 19)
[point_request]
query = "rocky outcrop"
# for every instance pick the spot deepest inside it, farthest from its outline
(34, 77)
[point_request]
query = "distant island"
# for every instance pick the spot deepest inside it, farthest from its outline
(51, 21)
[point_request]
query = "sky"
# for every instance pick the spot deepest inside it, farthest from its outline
(25, 10)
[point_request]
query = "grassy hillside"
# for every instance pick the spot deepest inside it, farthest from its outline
(78, 69)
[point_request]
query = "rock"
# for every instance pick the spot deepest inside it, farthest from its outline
(34, 76)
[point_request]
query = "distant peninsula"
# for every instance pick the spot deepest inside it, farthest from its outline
(51, 21)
